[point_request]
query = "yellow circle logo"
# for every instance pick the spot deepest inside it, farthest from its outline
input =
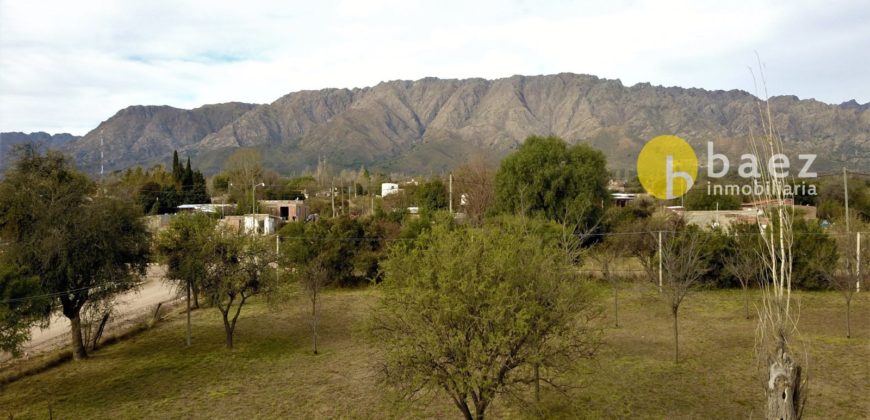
(667, 167)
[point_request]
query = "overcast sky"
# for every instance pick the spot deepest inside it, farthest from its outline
(67, 65)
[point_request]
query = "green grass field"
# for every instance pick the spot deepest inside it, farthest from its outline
(272, 373)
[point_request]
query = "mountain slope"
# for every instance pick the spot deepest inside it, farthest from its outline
(148, 134)
(433, 124)
(42, 139)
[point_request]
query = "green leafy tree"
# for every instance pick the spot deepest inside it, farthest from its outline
(478, 313)
(339, 251)
(716, 244)
(814, 253)
(81, 246)
(220, 184)
(698, 199)
(176, 167)
(549, 178)
(237, 267)
(183, 246)
(339, 244)
(432, 196)
(640, 208)
(22, 305)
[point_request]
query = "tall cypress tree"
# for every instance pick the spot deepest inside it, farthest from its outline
(176, 166)
(187, 177)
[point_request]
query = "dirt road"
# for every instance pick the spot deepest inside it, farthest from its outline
(130, 306)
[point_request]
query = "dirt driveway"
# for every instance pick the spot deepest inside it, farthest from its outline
(130, 306)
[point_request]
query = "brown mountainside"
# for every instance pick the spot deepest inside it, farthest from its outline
(433, 124)
(141, 135)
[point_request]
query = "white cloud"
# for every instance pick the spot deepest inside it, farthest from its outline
(66, 66)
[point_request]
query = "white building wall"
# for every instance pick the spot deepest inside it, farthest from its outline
(388, 188)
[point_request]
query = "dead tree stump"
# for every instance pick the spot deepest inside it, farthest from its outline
(783, 388)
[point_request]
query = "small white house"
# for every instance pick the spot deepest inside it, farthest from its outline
(207, 208)
(263, 224)
(388, 188)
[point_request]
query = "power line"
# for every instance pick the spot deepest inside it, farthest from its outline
(64, 292)
(555, 235)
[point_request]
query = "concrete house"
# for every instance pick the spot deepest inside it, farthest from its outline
(388, 188)
(260, 224)
(286, 210)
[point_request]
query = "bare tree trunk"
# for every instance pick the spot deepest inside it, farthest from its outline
(848, 313)
(616, 305)
(463, 407)
(746, 301)
(537, 383)
(676, 337)
(228, 329)
(189, 286)
(783, 387)
(480, 409)
(195, 295)
(78, 345)
(314, 323)
(95, 342)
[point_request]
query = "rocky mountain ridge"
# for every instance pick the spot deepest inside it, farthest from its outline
(434, 124)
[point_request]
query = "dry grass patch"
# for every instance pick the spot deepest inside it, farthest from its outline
(272, 373)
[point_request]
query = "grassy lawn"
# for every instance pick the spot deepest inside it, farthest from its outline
(272, 372)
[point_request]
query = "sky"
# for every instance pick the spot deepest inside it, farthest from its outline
(65, 66)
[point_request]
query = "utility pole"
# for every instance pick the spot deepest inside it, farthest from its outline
(332, 195)
(846, 193)
(660, 261)
(254, 206)
(848, 231)
(450, 188)
(857, 262)
(277, 253)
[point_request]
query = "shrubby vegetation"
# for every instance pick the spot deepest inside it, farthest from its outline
(159, 192)
(496, 303)
(479, 313)
(83, 247)
(548, 178)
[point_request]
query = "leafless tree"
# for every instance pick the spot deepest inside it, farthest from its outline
(683, 267)
(744, 263)
(605, 256)
(844, 281)
(846, 278)
(784, 387)
(473, 185)
(640, 240)
(313, 278)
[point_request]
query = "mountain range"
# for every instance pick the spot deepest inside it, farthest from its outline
(431, 125)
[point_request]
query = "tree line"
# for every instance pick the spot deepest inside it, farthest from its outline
(500, 304)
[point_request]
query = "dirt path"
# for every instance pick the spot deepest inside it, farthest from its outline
(130, 306)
